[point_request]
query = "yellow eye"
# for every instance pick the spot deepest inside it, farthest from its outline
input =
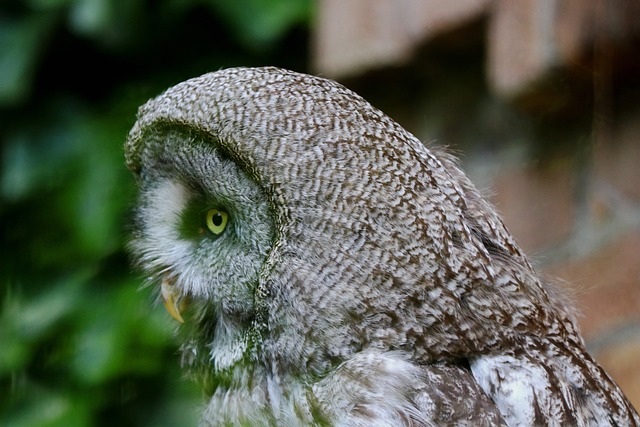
(217, 221)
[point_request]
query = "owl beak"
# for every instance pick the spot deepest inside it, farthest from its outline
(173, 301)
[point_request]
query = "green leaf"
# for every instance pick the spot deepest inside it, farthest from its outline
(113, 23)
(21, 44)
(44, 408)
(25, 321)
(259, 23)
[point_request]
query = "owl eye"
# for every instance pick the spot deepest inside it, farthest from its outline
(216, 221)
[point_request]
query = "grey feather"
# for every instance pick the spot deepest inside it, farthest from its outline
(362, 279)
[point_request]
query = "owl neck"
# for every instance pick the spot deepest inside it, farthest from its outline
(234, 344)
(248, 395)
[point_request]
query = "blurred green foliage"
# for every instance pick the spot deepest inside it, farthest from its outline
(81, 343)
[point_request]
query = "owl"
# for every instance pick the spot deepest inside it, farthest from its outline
(328, 268)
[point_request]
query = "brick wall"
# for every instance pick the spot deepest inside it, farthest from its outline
(541, 101)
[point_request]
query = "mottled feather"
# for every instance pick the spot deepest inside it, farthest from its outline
(365, 281)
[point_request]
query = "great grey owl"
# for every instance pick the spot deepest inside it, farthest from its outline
(331, 269)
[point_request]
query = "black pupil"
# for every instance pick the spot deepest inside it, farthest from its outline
(216, 219)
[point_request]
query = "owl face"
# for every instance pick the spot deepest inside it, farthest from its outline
(202, 229)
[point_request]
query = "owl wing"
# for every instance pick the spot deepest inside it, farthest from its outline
(451, 395)
(537, 382)
(546, 381)
(387, 388)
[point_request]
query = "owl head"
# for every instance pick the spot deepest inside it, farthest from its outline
(286, 219)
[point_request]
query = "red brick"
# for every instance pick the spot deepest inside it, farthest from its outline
(574, 27)
(356, 35)
(519, 50)
(608, 284)
(530, 39)
(537, 204)
(617, 160)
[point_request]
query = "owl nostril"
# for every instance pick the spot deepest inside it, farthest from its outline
(174, 301)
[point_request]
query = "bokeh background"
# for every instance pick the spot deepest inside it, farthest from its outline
(540, 99)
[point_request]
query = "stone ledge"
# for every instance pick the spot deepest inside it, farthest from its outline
(352, 37)
(528, 42)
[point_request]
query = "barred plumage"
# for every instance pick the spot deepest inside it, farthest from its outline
(361, 278)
